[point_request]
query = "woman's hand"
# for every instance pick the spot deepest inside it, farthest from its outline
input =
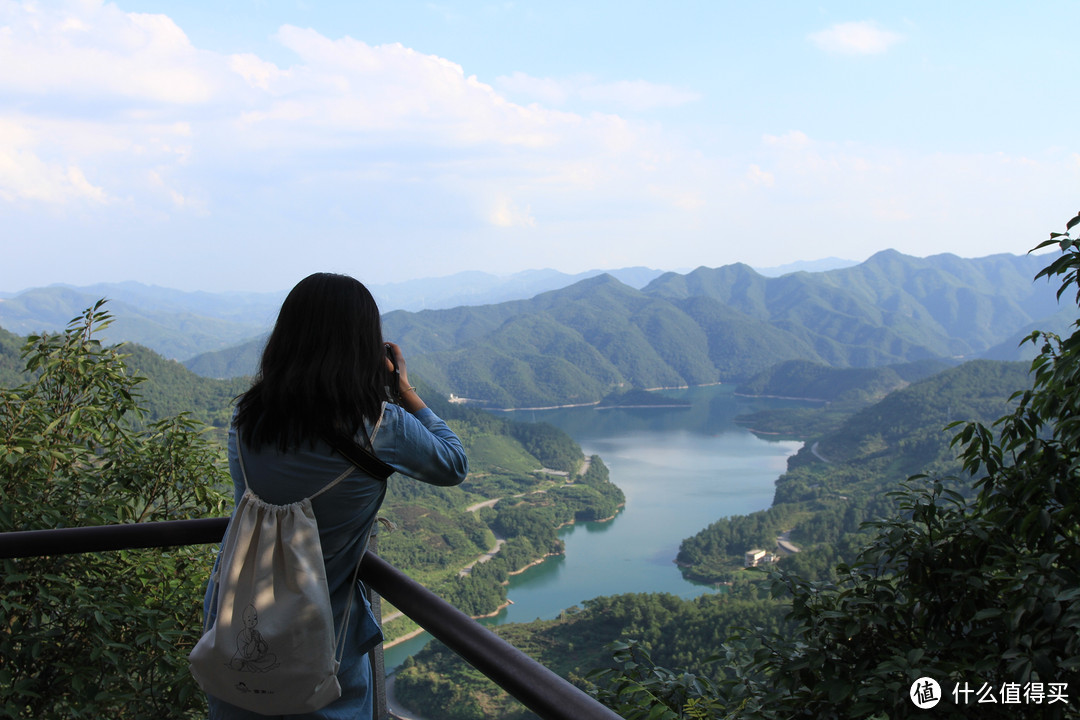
(409, 399)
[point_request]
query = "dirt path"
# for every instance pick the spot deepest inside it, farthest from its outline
(499, 542)
(484, 504)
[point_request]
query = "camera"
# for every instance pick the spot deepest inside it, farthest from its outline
(393, 379)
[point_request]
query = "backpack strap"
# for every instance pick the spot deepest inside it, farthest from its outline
(359, 455)
(339, 641)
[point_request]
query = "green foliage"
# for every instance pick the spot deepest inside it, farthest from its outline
(721, 546)
(842, 391)
(171, 389)
(454, 690)
(643, 691)
(167, 387)
(577, 344)
(86, 441)
(99, 635)
(437, 535)
(548, 444)
(239, 361)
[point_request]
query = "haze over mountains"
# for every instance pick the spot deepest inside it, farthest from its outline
(181, 325)
(634, 328)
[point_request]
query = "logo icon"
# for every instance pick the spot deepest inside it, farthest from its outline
(925, 693)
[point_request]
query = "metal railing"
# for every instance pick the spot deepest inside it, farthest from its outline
(535, 686)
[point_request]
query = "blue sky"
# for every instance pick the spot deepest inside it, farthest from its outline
(242, 144)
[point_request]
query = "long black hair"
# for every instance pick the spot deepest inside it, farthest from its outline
(323, 369)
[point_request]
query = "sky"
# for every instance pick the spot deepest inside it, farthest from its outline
(243, 144)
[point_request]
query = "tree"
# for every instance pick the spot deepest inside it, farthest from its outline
(106, 634)
(979, 590)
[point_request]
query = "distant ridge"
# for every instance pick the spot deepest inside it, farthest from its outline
(479, 288)
(822, 265)
(173, 323)
(182, 325)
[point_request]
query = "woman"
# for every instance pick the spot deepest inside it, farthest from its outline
(322, 381)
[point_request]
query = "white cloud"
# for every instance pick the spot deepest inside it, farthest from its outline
(82, 186)
(679, 197)
(633, 95)
(855, 38)
(257, 72)
(506, 213)
(366, 94)
(93, 50)
(26, 176)
(545, 90)
(757, 176)
(638, 95)
(790, 139)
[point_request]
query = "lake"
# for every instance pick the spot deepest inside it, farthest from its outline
(680, 468)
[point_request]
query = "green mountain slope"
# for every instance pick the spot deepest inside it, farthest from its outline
(169, 388)
(813, 381)
(237, 361)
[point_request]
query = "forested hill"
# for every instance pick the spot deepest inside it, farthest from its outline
(169, 388)
(807, 380)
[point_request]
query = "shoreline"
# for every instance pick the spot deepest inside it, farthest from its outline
(783, 397)
(680, 406)
(420, 631)
(597, 403)
(546, 407)
(538, 561)
(534, 563)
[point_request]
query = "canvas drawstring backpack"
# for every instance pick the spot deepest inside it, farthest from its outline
(273, 648)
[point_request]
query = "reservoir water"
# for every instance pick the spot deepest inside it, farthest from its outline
(680, 468)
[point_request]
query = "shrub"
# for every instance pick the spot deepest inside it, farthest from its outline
(101, 634)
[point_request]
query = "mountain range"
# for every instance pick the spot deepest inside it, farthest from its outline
(181, 325)
(578, 343)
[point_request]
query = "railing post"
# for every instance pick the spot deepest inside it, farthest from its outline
(375, 655)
